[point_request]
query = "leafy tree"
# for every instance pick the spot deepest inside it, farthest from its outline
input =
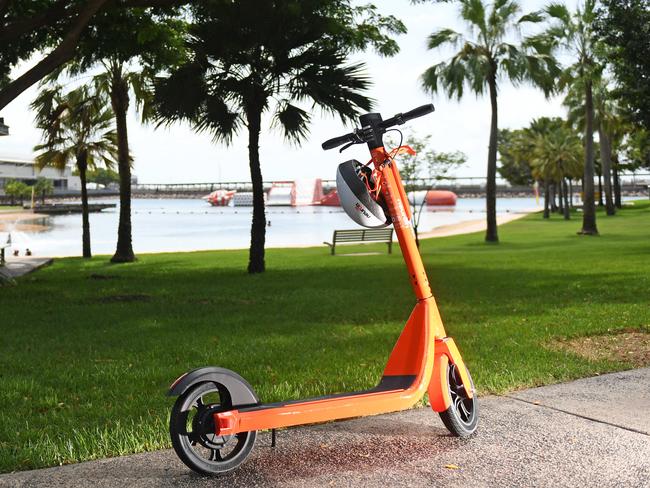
(637, 150)
(249, 58)
(43, 187)
(573, 33)
(54, 27)
(103, 176)
(624, 26)
(427, 163)
(482, 61)
(77, 128)
(17, 190)
(514, 148)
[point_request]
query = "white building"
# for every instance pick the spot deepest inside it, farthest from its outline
(26, 171)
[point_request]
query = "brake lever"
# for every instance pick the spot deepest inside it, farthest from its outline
(360, 139)
(347, 146)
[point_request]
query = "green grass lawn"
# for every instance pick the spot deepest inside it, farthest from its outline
(4, 208)
(87, 349)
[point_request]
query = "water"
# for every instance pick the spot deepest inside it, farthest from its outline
(167, 225)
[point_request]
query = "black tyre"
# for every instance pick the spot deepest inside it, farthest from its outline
(461, 418)
(191, 427)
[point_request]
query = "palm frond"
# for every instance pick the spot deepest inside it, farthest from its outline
(332, 86)
(559, 11)
(293, 121)
(501, 18)
(443, 36)
(72, 122)
(532, 17)
(180, 95)
(473, 12)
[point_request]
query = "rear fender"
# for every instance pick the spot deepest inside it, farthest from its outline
(241, 393)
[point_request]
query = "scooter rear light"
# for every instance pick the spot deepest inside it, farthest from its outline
(177, 380)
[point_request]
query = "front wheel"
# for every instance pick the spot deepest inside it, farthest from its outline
(192, 431)
(461, 418)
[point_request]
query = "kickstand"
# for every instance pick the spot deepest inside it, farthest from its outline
(272, 437)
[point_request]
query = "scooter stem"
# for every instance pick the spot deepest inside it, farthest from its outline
(398, 206)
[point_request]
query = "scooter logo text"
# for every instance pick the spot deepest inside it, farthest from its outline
(362, 210)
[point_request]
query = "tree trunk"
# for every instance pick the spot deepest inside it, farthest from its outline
(567, 214)
(560, 197)
(600, 190)
(571, 192)
(617, 188)
(120, 103)
(491, 234)
(258, 228)
(588, 206)
(547, 209)
(82, 166)
(552, 190)
(606, 159)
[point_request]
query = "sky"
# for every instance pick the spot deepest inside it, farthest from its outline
(178, 155)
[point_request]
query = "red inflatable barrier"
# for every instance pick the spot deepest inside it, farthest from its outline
(441, 198)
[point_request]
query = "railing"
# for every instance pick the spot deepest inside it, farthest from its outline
(447, 182)
(462, 185)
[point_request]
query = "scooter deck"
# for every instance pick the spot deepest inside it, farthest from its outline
(386, 385)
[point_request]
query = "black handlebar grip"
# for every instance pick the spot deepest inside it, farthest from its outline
(418, 112)
(336, 141)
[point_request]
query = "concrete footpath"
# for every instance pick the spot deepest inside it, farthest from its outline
(16, 267)
(591, 432)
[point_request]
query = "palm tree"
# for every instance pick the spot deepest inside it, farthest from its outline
(610, 126)
(574, 33)
(119, 84)
(485, 59)
(556, 156)
(77, 128)
(248, 61)
(43, 187)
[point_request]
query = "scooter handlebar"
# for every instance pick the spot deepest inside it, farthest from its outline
(338, 141)
(361, 135)
(399, 119)
(418, 112)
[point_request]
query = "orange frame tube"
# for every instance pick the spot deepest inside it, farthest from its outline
(422, 351)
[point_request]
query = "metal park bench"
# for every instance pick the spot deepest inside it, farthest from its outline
(361, 235)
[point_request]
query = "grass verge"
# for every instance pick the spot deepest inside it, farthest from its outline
(87, 349)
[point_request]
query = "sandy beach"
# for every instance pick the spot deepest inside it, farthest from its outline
(22, 221)
(471, 226)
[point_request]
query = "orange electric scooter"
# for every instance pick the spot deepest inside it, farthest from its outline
(215, 419)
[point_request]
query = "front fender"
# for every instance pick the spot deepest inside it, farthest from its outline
(241, 393)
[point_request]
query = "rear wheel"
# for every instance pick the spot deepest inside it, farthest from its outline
(461, 418)
(192, 431)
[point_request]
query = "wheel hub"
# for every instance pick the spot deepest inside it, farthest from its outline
(204, 429)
